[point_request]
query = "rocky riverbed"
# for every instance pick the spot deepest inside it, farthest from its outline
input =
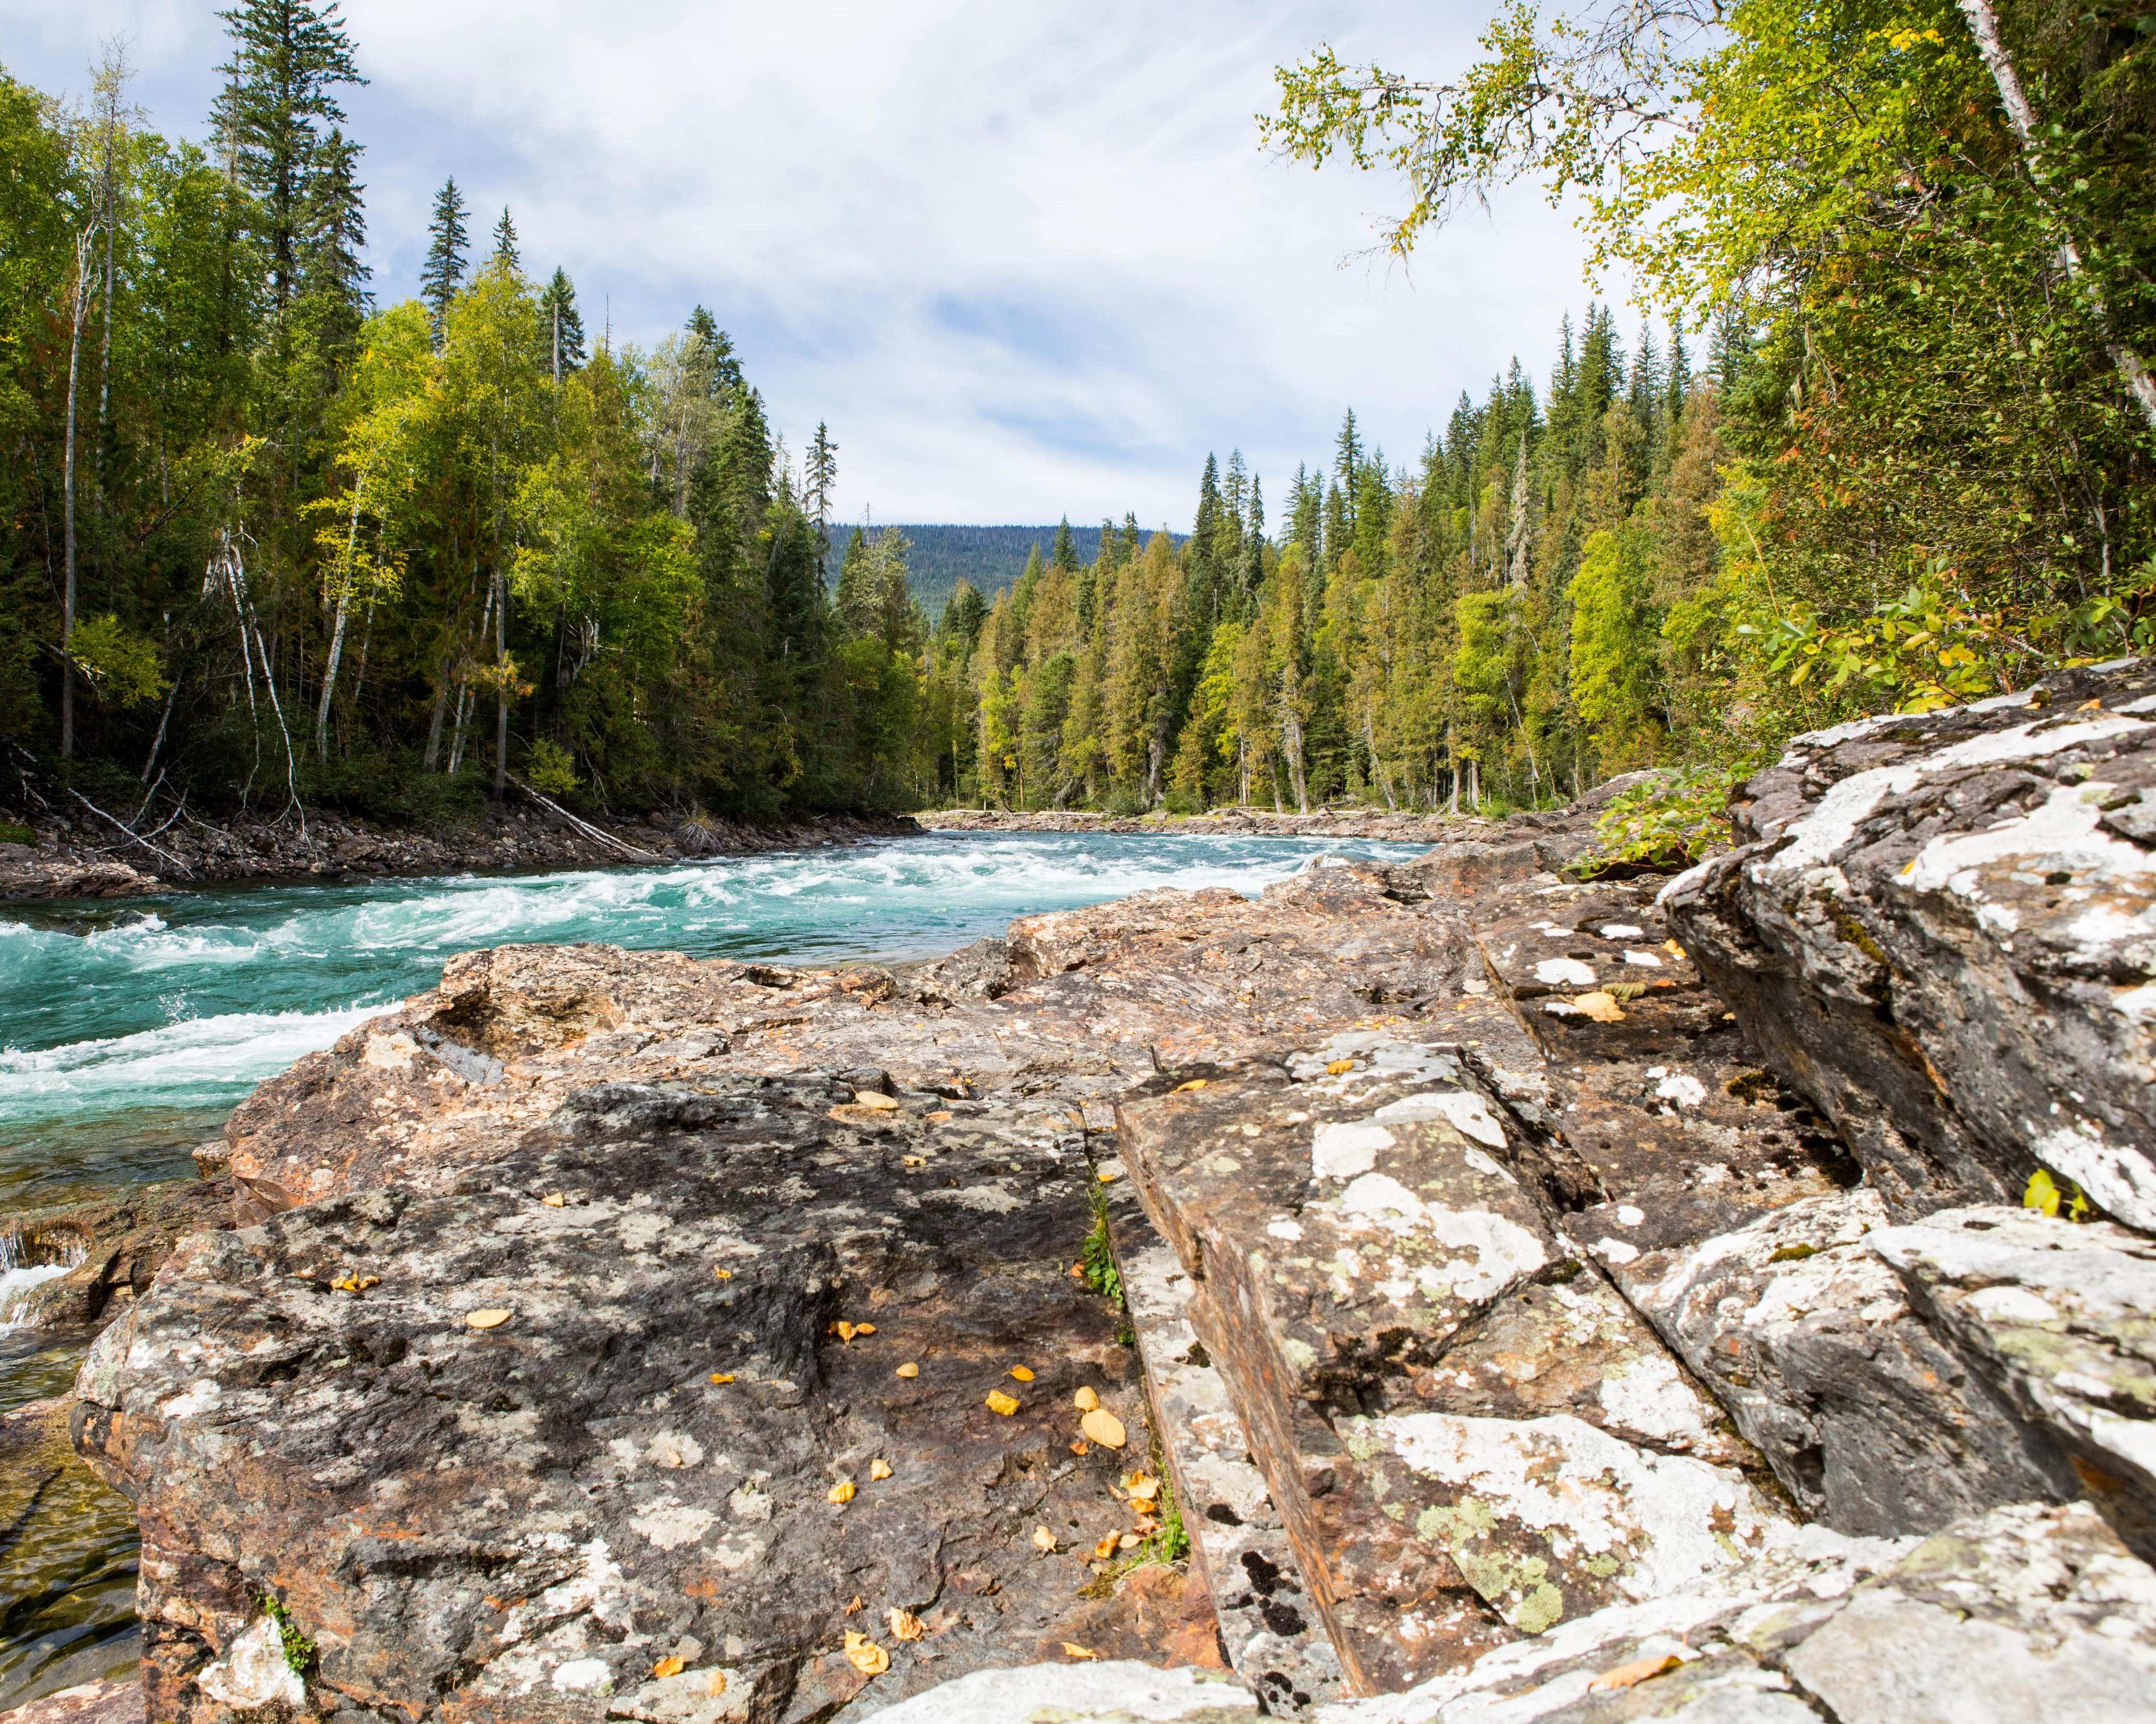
(89, 854)
(1428, 1291)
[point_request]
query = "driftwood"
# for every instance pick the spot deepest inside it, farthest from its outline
(585, 826)
(135, 837)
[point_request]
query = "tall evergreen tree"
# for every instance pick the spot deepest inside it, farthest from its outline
(564, 327)
(504, 242)
(820, 475)
(288, 58)
(443, 273)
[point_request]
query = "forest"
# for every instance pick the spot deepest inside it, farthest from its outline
(1879, 433)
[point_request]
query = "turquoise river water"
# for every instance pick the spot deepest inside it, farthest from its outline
(128, 1032)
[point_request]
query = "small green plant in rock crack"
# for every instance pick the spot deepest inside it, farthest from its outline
(1097, 1256)
(299, 1649)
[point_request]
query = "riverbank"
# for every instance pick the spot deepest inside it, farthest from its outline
(1319, 823)
(99, 856)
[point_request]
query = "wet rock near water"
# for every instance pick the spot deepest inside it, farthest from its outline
(113, 1246)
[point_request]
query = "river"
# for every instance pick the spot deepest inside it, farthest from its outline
(128, 1032)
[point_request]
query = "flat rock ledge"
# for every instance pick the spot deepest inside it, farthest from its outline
(1423, 1294)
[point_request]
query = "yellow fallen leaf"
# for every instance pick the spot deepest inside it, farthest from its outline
(916, 1161)
(1630, 1675)
(941, 1116)
(1108, 1176)
(855, 1606)
(721, 1275)
(667, 1667)
(905, 1625)
(722, 1377)
(1144, 1488)
(998, 1402)
(1043, 1539)
(491, 1319)
(1071, 1649)
(1022, 1373)
(1334, 1067)
(1104, 1428)
(875, 1099)
(1085, 1400)
(714, 1684)
(909, 1369)
(879, 1468)
(864, 1328)
(1194, 1084)
(553, 1200)
(842, 1492)
(1599, 1005)
(844, 1331)
(1106, 1549)
(1082, 1447)
(366, 1281)
(865, 1655)
(1128, 1541)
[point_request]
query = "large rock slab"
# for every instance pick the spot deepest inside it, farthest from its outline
(1268, 1629)
(1120, 1692)
(1467, 1433)
(538, 1517)
(1875, 1424)
(1939, 930)
(2023, 1614)
(2062, 1320)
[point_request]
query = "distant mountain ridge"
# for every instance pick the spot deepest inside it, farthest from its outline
(991, 557)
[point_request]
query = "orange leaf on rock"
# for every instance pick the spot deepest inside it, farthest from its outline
(1103, 1427)
(1335, 1068)
(906, 1625)
(1194, 1084)
(1071, 1649)
(489, 1319)
(1044, 1540)
(879, 1468)
(865, 1655)
(1022, 1373)
(842, 1492)
(909, 1369)
(998, 1402)
(721, 1275)
(667, 1667)
(722, 1377)
(1630, 1675)
(1085, 1400)
(1106, 1549)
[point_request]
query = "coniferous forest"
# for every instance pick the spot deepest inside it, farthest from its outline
(1887, 439)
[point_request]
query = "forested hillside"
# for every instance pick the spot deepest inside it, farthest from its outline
(263, 537)
(989, 557)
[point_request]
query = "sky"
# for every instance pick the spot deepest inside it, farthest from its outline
(1025, 261)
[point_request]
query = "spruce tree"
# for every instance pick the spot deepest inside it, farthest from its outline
(821, 474)
(445, 271)
(565, 326)
(288, 56)
(504, 242)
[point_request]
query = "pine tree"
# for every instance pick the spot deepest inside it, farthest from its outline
(288, 56)
(336, 228)
(445, 270)
(725, 365)
(505, 243)
(821, 474)
(557, 306)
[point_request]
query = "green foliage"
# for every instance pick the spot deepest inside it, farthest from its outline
(550, 770)
(300, 1651)
(1670, 821)
(1097, 1256)
(12, 834)
(122, 668)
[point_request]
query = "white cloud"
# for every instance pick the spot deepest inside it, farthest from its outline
(1025, 261)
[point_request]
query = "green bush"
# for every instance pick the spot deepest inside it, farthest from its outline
(1671, 821)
